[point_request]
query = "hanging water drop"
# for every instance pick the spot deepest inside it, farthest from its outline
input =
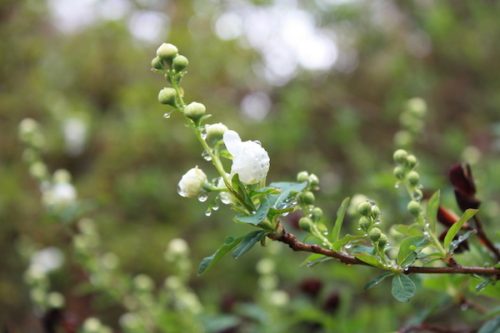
(206, 156)
(202, 197)
(215, 207)
(208, 212)
(166, 115)
(348, 246)
(181, 192)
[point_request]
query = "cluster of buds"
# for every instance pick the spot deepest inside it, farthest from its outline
(369, 219)
(312, 221)
(405, 172)
(412, 122)
(268, 283)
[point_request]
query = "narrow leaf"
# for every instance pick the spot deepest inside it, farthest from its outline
(248, 241)
(407, 250)
(432, 210)
(335, 234)
(207, 262)
(287, 189)
(455, 228)
(368, 258)
(491, 326)
(403, 288)
(257, 217)
(375, 281)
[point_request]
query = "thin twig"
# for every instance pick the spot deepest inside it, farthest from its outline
(281, 235)
(484, 238)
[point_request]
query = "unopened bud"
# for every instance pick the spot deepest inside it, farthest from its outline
(382, 241)
(399, 172)
(414, 207)
(167, 52)
(307, 198)
(156, 63)
(375, 211)
(313, 180)
(305, 223)
(215, 132)
(364, 208)
(180, 63)
(364, 223)
(400, 156)
(413, 177)
(375, 234)
(417, 106)
(195, 110)
(167, 96)
(411, 160)
(317, 213)
(303, 176)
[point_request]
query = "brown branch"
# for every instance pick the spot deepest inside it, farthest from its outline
(281, 235)
(484, 238)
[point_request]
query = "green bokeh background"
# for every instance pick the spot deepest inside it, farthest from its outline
(337, 124)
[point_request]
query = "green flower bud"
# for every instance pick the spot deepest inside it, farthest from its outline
(399, 172)
(375, 211)
(317, 213)
(307, 198)
(411, 161)
(313, 180)
(167, 96)
(382, 241)
(417, 107)
(402, 138)
(414, 207)
(400, 156)
(303, 176)
(195, 111)
(305, 223)
(215, 132)
(38, 170)
(156, 63)
(413, 177)
(365, 208)
(364, 223)
(180, 63)
(374, 234)
(167, 52)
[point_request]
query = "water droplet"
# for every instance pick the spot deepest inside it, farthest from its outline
(202, 197)
(396, 185)
(325, 233)
(215, 207)
(426, 234)
(166, 115)
(208, 212)
(206, 156)
(181, 192)
(348, 246)
(225, 198)
(406, 269)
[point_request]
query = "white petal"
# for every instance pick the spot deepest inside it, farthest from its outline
(232, 141)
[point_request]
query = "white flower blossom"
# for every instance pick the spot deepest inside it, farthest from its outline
(59, 194)
(191, 183)
(250, 160)
(46, 260)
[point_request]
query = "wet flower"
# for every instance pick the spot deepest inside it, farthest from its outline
(191, 183)
(250, 160)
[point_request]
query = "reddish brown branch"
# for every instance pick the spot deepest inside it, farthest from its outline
(281, 235)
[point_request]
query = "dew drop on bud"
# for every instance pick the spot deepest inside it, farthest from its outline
(208, 212)
(166, 115)
(202, 197)
(215, 207)
(181, 192)
(348, 246)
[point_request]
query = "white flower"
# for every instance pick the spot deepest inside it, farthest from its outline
(178, 246)
(46, 260)
(250, 160)
(191, 183)
(59, 194)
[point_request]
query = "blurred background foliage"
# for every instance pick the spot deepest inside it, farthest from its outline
(320, 83)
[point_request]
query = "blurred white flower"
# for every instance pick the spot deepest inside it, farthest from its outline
(250, 160)
(75, 135)
(59, 194)
(191, 183)
(46, 260)
(178, 246)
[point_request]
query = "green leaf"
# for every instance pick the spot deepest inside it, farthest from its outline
(403, 288)
(482, 285)
(491, 326)
(287, 188)
(408, 229)
(455, 228)
(335, 234)
(407, 255)
(207, 262)
(370, 259)
(248, 241)
(259, 215)
(345, 240)
(432, 210)
(241, 190)
(375, 281)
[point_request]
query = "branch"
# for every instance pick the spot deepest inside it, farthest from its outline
(281, 235)
(484, 238)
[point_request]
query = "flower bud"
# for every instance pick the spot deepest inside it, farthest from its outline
(195, 110)
(417, 194)
(413, 177)
(313, 180)
(192, 183)
(400, 156)
(411, 160)
(167, 52)
(414, 207)
(403, 138)
(375, 211)
(180, 63)
(215, 132)
(417, 107)
(364, 223)
(364, 208)
(38, 170)
(382, 241)
(399, 172)
(156, 63)
(374, 234)
(167, 96)
(303, 176)
(307, 198)
(305, 223)
(317, 213)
